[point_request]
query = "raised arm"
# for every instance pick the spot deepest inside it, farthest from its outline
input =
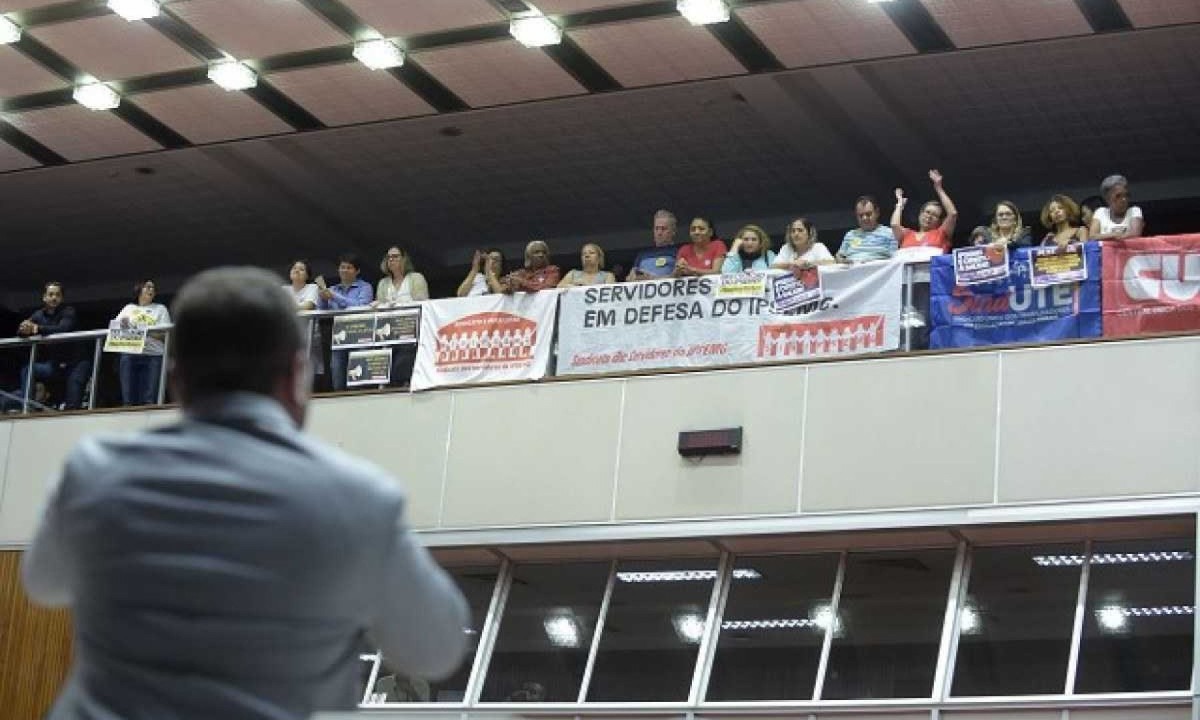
(951, 220)
(897, 221)
(465, 287)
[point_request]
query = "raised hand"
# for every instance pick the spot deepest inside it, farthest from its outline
(900, 199)
(935, 177)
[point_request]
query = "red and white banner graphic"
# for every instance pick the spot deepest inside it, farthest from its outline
(1151, 285)
(488, 338)
(687, 322)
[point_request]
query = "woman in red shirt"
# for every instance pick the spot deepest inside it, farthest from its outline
(935, 224)
(704, 255)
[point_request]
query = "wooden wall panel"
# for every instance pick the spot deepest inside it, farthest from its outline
(35, 647)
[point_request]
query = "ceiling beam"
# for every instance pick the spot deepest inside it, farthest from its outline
(914, 20)
(29, 146)
(1104, 15)
(745, 46)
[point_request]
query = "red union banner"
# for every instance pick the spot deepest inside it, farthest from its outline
(1151, 285)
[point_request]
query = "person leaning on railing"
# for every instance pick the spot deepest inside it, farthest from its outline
(801, 249)
(400, 283)
(306, 294)
(140, 373)
(1118, 220)
(935, 223)
(870, 240)
(751, 250)
(538, 273)
(350, 292)
(659, 260)
(484, 263)
(56, 359)
(704, 254)
(1061, 216)
(1007, 228)
(591, 272)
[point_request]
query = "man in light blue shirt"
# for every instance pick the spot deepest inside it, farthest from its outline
(228, 566)
(870, 240)
(351, 292)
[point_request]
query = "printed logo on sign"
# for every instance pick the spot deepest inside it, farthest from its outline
(830, 337)
(1162, 278)
(482, 339)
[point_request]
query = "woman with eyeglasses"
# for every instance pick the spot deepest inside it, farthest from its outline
(1007, 229)
(400, 284)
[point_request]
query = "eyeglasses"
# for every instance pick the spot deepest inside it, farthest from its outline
(394, 257)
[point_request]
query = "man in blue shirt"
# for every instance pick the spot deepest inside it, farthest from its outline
(658, 261)
(59, 359)
(351, 292)
(869, 241)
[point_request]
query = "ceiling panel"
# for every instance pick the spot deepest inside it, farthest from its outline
(405, 18)
(1148, 13)
(11, 5)
(970, 23)
(110, 48)
(660, 51)
(566, 7)
(207, 113)
(249, 29)
(812, 32)
(20, 76)
(350, 93)
(13, 159)
(77, 133)
(498, 73)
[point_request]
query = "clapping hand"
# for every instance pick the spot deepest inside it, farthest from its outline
(900, 199)
(935, 177)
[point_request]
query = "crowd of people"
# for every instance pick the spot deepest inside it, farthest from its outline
(1107, 216)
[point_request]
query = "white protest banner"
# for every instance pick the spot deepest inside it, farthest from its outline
(685, 323)
(126, 340)
(488, 338)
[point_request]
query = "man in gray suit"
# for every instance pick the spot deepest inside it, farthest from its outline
(228, 566)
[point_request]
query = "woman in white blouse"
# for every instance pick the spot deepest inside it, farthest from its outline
(140, 373)
(1119, 220)
(400, 284)
(801, 249)
(306, 294)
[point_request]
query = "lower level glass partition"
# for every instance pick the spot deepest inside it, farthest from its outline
(1087, 620)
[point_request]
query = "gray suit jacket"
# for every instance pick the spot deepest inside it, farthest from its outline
(228, 567)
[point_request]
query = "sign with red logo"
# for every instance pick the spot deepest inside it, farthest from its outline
(488, 338)
(1151, 285)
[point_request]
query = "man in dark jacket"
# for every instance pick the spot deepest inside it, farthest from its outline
(53, 360)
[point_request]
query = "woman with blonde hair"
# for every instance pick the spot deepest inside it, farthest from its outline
(400, 284)
(751, 250)
(1061, 216)
(801, 249)
(1007, 229)
(591, 272)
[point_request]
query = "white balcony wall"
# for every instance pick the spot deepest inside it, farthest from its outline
(990, 429)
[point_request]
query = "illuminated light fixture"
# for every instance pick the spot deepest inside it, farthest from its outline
(770, 624)
(232, 75)
(378, 54)
(96, 96)
(1113, 558)
(134, 9)
(824, 617)
(968, 621)
(689, 627)
(534, 31)
(703, 12)
(1111, 618)
(562, 630)
(684, 575)
(10, 32)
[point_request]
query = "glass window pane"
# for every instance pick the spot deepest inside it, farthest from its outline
(393, 686)
(773, 628)
(545, 633)
(652, 631)
(1016, 622)
(889, 622)
(1137, 631)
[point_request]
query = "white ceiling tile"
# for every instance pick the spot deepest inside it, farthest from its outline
(350, 93)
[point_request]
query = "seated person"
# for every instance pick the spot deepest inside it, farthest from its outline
(705, 253)
(1061, 216)
(1118, 220)
(400, 284)
(538, 273)
(140, 373)
(1007, 228)
(67, 360)
(869, 241)
(591, 260)
(935, 223)
(658, 261)
(350, 292)
(802, 251)
(483, 263)
(751, 250)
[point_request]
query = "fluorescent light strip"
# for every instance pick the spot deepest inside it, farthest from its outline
(1113, 558)
(770, 624)
(684, 575)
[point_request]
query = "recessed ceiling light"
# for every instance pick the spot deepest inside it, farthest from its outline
(96, 96)
(703, 12)
(10, 32)
(378, 54)
(232, 75)
(535, 31)
(134, 9)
